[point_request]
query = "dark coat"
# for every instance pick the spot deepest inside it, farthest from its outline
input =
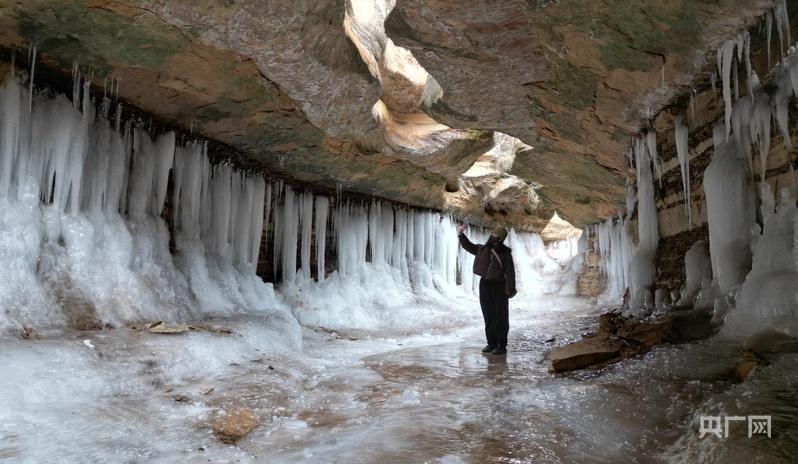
(488, 267)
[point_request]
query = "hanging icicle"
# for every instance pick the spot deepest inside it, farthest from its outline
(682, 152)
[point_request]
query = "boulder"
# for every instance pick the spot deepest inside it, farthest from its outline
(234, 425)
(750, 360)
(584, 353)
(744, 368)
(645, 334)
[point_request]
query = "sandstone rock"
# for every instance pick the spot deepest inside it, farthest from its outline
(583, 353)
(647, 334)
(572, 104)
(169, 329)
(744, 369)
(619, 337)
(296, 88)
(234, 425)
(750, 361)
(610, 322)
(559, 229)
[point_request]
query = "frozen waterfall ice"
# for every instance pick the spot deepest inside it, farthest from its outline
(104, 223)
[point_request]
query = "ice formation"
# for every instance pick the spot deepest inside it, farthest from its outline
(82, 240)
(683, 154)
(615, 252)
(651, 144)
(698, 268)
(730, 215)
(643, 267)
(725, 61)
(83, 237)
(769, 297)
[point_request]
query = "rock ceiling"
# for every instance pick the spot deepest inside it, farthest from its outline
(498, 111)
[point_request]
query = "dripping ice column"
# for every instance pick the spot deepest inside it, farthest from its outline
(683, 154)
(306, 210)
(643, 265)
(730, 215)
(322, 212)
(290, 227)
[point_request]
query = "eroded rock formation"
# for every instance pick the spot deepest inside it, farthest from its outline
(500, 112)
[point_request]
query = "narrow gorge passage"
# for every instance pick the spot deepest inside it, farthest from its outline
(290, 231)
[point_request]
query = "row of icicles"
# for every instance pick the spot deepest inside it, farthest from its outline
(728, 184)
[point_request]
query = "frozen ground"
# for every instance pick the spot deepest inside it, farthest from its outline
(422, 395)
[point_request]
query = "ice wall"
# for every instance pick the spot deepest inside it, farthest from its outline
(82, 241)
(390, 258)
(769, 296)
(614, 249)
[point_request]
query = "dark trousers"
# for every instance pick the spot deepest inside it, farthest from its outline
(495, 310)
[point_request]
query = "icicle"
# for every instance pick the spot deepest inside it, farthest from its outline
(782, 24)
(682, 153)
(769, 28)
(614, 250)
(725, 60)
(322, 211)
(741, 126)
(75, 85)
(713, 80)
(290, 220)
(651, 144)
(643, 264)
(278, 233)
(760, 131)
(32, 74)
(746, 42)
(781, 100)
(267, 209)
(306, 223)
(10, 132)
(258, 188)
(692, 104)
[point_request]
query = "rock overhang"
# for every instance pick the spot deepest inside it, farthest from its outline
(294, 97)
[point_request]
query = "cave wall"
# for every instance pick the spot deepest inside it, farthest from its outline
(701, 109)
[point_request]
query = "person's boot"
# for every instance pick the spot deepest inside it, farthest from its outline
(499, 350)
(488, 348)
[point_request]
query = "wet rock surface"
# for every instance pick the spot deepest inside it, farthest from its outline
(584, 353)
(234, 425)
(620, 337)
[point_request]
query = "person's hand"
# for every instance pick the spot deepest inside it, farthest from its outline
(461, 228)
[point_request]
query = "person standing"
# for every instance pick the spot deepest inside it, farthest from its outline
(493, 263)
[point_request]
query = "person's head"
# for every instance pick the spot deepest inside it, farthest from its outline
(498, 235)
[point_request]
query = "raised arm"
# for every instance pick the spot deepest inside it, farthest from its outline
(465, 242)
